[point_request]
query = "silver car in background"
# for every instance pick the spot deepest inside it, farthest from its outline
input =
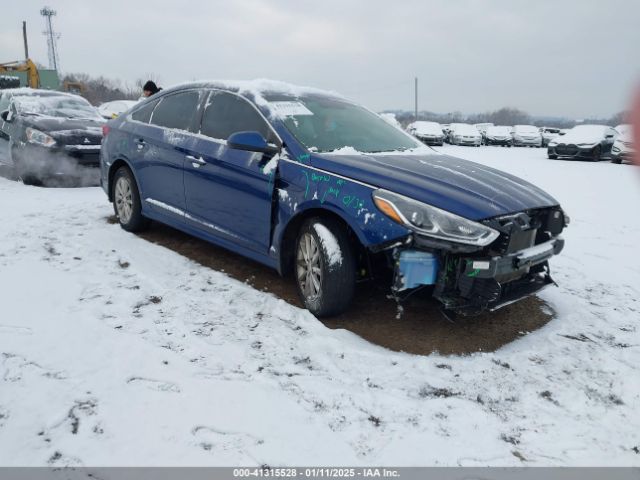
(526, 136)
(464, 134)
(427, 132)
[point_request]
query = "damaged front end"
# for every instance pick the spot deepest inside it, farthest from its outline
(493, 268)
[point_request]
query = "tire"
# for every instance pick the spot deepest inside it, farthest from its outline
(552, 157)
(126, 201)
(325, 267)
(596, 154)
(616, 160)
(26, 177)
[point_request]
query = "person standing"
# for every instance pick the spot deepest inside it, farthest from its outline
(150, 88)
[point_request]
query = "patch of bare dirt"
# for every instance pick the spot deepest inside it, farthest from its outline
(421, 329)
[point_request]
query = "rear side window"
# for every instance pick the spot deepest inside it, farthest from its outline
(226, 114)
(144, 114)
(176, 111)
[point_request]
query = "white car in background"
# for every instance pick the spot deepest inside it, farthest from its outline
(113, 109)
(526, 136)
(464, 134)
(548, 134)
(427, 132)
(623, 149)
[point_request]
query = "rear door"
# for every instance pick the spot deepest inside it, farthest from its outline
(229, 192)
(160, 147)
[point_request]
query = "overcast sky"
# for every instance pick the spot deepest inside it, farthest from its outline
(573, 58)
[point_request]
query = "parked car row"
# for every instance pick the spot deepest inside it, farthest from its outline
(587, 142)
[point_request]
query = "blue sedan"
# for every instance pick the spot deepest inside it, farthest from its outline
(312, 184)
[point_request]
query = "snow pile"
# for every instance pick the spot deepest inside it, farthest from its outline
(329, 244)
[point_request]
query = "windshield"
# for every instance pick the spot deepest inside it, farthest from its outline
(61, 106)
(498, 131)
(464, 129)
(526, 129)
(326, 124)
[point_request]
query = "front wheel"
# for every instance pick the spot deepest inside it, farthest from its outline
(552, 157)
(596, 154)
(325, 267)
(126, 201)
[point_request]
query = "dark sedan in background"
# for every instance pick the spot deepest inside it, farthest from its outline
(584, 142)
(50, 136)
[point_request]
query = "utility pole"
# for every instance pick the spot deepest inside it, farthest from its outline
(416, 91)
(51, 37)
(24, 36)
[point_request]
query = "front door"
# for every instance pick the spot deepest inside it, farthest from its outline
(229, 192)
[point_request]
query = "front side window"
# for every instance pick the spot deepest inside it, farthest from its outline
(176, 111)
(325, 124)
(227, 113)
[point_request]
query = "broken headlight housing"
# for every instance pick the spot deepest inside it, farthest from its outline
(431, 221)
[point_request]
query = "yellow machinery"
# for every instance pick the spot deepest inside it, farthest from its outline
(33, 77)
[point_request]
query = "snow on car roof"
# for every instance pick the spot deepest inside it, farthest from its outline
(258, 88)
(27, 91)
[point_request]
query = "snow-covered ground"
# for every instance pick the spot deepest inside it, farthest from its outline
(116, 351)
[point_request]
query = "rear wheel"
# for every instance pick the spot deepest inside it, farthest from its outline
(324, 267)
(126, 201)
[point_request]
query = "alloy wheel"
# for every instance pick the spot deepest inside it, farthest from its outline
(124, 200)
(308, 267)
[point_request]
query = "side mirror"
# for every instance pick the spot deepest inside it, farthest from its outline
(251, 142)
(6, 115)
(609, 136)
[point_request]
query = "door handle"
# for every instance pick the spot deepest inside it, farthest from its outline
(196, 162)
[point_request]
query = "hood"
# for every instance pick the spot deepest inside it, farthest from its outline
(67, 131)
(464, 188)
(586, 134)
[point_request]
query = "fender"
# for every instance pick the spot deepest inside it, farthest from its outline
(301, 188)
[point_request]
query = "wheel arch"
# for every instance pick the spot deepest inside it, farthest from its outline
(115, 166)
(289, 234)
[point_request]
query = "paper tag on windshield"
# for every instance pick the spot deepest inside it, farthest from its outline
(290, 109)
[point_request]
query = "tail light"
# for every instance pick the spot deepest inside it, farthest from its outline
(105, 130)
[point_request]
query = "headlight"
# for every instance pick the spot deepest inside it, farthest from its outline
(39, 138)
(432, 221)
(616, 149)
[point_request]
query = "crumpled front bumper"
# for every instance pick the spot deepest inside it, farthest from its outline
(471, 285)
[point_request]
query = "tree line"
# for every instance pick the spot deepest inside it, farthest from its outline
(101, 89)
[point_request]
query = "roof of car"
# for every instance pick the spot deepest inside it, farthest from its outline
(255, 88)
